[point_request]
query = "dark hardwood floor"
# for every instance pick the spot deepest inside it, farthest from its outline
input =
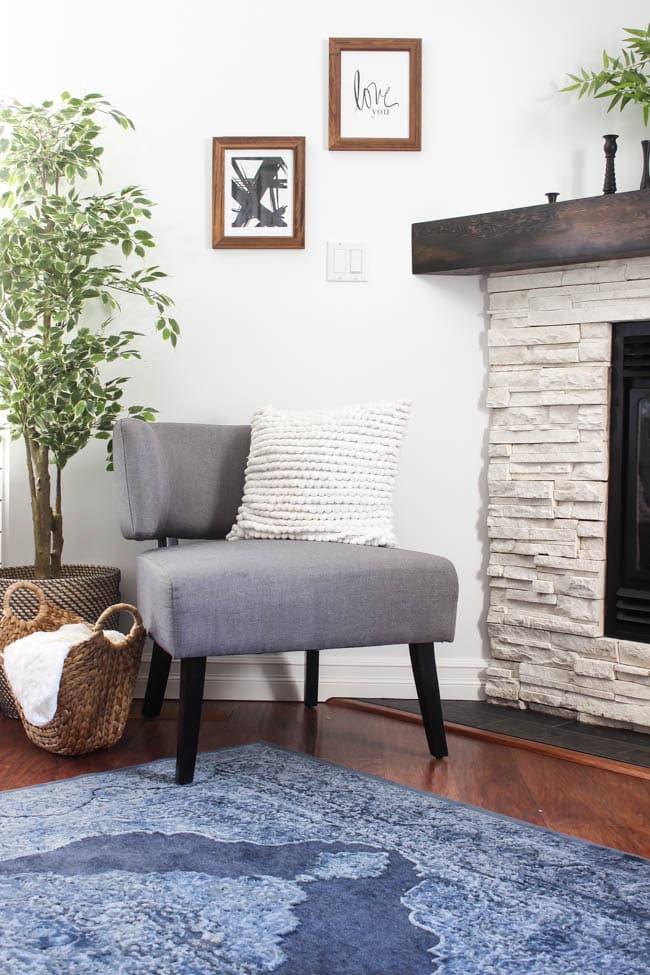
(596, 804)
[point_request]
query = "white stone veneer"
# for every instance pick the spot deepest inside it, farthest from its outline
(549, 380)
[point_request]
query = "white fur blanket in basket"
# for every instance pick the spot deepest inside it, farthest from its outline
(34, 664)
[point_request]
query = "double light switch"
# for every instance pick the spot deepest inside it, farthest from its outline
(346, 261)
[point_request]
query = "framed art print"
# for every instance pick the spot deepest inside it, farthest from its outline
(258, 192)
(375, 93)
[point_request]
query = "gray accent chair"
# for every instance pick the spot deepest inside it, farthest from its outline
(213, 597)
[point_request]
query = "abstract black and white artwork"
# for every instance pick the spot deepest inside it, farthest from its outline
(258, 192)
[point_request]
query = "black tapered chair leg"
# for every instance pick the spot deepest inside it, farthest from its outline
(157, 682)
(423, 663)
(189, 717)
(311, 678)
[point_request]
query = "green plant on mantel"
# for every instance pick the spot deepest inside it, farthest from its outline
(62, 249)
(624, 79)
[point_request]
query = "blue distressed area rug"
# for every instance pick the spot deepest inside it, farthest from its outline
(276, 862)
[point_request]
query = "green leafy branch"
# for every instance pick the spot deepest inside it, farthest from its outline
(623, 78)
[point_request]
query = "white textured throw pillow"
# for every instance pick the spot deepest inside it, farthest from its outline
(323, 476)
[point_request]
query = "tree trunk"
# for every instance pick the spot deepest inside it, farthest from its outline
(57, 529)
(42, 515)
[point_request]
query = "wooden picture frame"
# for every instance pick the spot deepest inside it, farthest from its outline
(258, 192)
(371, 79)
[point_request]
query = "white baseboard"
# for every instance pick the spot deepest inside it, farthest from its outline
(277, 678)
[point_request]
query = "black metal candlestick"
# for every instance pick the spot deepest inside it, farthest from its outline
(610, 147)
(645, 175)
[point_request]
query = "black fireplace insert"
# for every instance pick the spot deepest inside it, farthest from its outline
(627, 599)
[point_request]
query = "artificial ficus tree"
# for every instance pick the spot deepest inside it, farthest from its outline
(62, 249)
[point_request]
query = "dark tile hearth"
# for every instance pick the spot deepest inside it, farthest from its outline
(611, 743)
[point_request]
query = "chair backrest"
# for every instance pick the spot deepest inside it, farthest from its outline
(179, 480)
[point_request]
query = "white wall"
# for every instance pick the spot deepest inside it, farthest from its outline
(265, 327)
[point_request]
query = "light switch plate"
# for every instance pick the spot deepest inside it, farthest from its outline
(346, 261)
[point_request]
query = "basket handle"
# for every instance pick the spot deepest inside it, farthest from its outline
(38, 592)
(118, 608)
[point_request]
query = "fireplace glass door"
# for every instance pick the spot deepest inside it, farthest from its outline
(628, 524)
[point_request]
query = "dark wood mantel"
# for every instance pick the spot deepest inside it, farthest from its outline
(597, 228)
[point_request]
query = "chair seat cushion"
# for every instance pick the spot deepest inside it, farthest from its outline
(257, 596)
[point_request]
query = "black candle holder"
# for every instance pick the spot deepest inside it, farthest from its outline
(645, 174)
(610, 147)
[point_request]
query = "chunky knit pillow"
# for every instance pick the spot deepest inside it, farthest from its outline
(323, 476)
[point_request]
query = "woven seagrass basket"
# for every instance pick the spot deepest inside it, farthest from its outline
(96, 688)
(85, 590)
(14, 627)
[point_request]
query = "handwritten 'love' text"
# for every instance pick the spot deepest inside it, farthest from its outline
(372, 97)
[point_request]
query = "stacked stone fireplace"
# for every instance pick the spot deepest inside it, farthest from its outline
(550, 340)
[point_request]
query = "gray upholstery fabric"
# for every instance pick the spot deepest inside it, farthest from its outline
(179, 480)
(212, 597)
(217, 597)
